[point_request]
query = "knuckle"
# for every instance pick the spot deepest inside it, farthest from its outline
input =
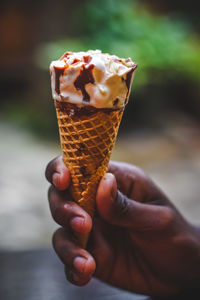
(50, 192)
(138, 174)
(54, 196)
(62, 247)
(50, 169)
(56, 239)
(58, 214)
(167, 218)
(56, 205)
(121, 204)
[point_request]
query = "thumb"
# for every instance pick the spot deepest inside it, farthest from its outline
(118, 209)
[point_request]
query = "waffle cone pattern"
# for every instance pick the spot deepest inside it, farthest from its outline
(87, 139)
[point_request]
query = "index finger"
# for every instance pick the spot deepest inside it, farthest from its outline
(58, 174)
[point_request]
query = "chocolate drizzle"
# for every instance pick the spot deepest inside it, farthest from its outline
(87, 59)
(66, 54)
(84, 77)
(76, 60)
(115, 102)
(128, 78)
(117, 60)
(58, 72)
(83, 170)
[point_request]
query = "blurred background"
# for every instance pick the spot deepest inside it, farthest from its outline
(160, 130)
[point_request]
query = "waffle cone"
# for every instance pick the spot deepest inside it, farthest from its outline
(87, 138)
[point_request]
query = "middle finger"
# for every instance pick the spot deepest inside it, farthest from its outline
(67, 213)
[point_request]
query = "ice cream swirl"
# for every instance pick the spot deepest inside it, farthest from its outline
(92, 78)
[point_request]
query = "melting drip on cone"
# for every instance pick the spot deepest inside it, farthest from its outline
(128, 80)
(58, 72)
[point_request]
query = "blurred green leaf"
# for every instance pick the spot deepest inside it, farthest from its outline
(125, 28)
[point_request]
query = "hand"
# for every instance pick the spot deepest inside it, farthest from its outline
(139, 241)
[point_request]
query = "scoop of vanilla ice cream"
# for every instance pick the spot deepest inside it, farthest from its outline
(92, 78)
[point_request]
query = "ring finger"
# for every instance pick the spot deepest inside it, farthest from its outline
(80, 265)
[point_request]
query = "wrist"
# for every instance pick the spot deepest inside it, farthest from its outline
(189, 287)
(197, 231)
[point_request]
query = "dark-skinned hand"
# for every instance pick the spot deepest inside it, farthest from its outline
(138, 241)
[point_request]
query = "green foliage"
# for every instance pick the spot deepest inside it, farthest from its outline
(41, 122)
(164, 48)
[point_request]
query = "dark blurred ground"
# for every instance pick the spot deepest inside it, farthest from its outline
(39, 275)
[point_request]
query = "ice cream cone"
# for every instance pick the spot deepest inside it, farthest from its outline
(87, 138)
(90, 91)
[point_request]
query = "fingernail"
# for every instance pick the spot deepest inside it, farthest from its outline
(61, 163)
(79, 263)
(76, 277)
(56, 179)
(77, 222)
(110, 179)
(113, 191)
